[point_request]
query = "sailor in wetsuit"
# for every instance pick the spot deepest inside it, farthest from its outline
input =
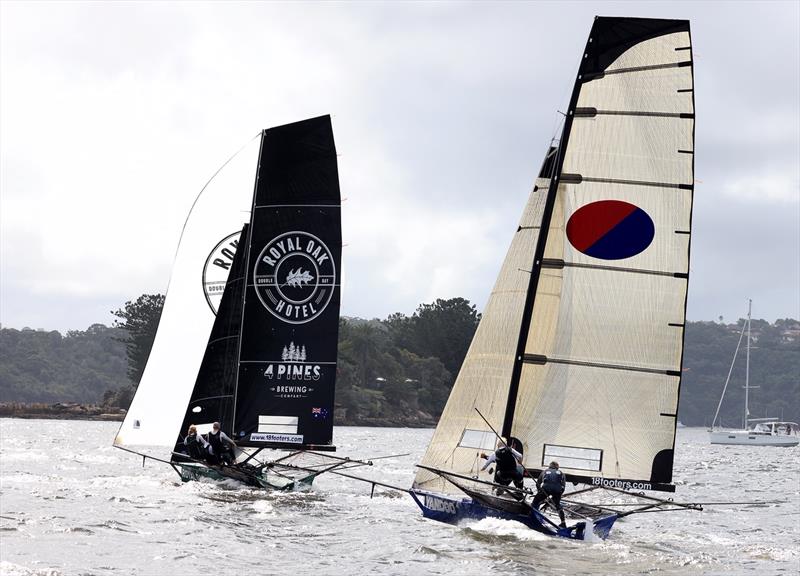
(509, 468)
(222, 447)
(551, 482)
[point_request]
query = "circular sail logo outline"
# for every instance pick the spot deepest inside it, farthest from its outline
(217, 269)
(610, 230)
(295, 277)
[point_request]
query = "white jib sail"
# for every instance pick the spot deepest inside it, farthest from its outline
(195, 286)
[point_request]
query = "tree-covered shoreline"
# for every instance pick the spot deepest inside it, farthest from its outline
(392, 372)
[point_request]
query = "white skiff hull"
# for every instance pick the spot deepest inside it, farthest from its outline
(748, 438)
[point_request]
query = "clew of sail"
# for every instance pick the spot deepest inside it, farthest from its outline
(579, 358)
(200, 269)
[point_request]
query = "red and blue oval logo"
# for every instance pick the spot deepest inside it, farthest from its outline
(610, 230)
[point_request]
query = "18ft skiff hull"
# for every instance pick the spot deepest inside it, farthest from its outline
(451, 510)
(263, 479)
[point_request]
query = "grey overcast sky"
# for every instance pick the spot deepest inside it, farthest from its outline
(114, 115)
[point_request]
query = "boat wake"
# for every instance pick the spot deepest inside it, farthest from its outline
(497, 529)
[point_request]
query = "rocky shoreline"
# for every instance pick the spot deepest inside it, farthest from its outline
(61, 411)
(74, 411)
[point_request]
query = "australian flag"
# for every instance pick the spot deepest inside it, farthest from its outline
(319, 413)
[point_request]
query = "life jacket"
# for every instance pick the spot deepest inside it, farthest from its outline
(551, 480)
(194, 447)
(216, 443)
(505, 460)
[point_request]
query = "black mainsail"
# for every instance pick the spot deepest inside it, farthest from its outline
(288, 345)
(579, 350)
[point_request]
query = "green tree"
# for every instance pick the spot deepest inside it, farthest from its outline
(443, 329)
(139, 319)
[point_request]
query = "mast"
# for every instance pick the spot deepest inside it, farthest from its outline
(728, 379)
(747, 368)
(536, 267)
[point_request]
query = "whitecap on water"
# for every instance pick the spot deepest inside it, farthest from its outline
(505, 528)
(9, 569)
(23, 456)
(263, 508)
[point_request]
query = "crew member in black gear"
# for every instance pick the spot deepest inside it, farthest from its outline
(196, 445)
(222, 447)
(509, 468)
(551, 482)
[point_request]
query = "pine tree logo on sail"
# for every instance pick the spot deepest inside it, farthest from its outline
(295, 277)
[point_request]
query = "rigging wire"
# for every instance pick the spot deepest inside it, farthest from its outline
(727, 380)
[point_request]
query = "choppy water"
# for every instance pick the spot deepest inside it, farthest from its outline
(72, 504)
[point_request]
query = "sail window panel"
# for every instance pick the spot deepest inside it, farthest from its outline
(278, 424)
(614, 411)
(478, 439)
(572, 457)
(669, 209)
(646, 91)
(632, 148)
(610, 318)
(660, 50)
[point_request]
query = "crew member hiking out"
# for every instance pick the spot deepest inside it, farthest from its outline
(196, 445)
(222, 447)
(551, 482)
(509, 468)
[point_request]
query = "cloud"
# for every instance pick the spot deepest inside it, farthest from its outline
(113, 116)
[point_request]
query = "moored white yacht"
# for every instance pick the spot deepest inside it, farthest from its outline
(754, 431)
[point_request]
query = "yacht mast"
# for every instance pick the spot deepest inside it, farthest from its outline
(747, 368)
